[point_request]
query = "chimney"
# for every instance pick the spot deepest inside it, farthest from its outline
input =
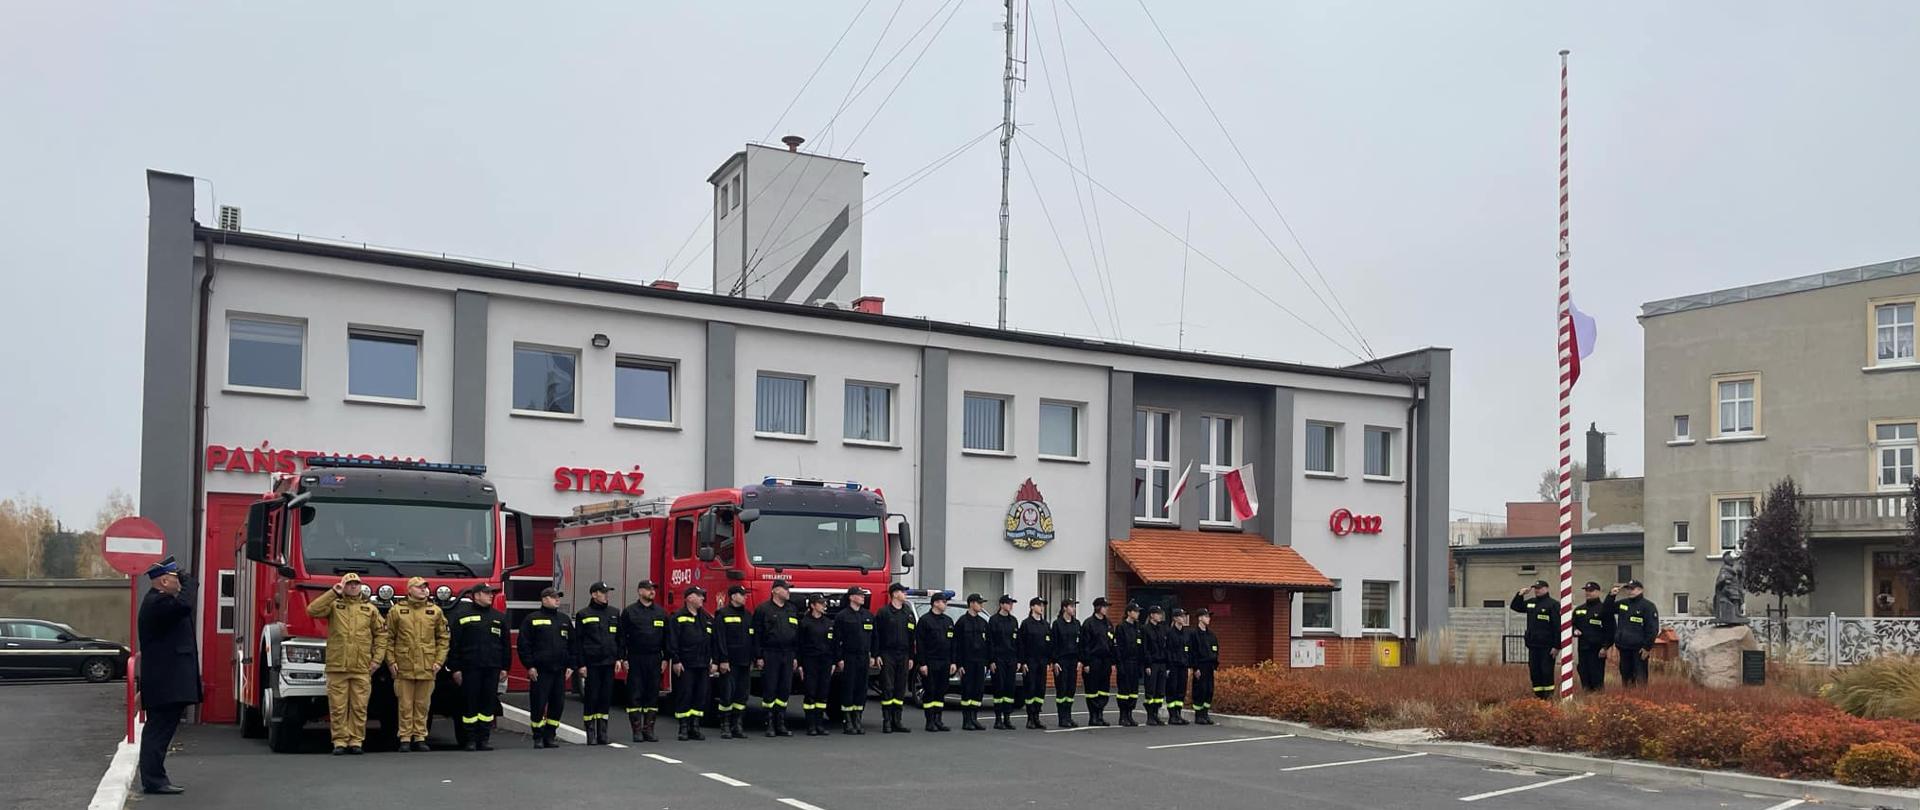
(663, 284)
(793, 142)
(870, 304)
(1596, 452)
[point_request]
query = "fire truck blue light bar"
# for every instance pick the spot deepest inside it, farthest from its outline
(396, 464)
(772, 481)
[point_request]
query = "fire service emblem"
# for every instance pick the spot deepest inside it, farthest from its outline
(1029, 521)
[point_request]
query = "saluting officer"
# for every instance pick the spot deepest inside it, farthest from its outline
(933, 647)
(418, 650)
(1066, 659)
(735, 680)
(478, 652)
(815, 647)
(1179, 644)
(356, 646)
(893, 626)
(1130, 648)
(1593, 626)
(596, 645)
(693, 647)
(776, 625)
(1636, 624)
(1003, 650)
(1036, 657)
(1204, 656)
(853, 649)
(972, 650)
(169, 670)
(1543, 634)
(1096, 649)
(643, 629)
(1155, 635)
(546, 650)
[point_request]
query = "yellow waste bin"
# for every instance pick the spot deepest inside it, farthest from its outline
(1386, 652)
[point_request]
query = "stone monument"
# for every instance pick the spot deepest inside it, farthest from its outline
(1714, 652)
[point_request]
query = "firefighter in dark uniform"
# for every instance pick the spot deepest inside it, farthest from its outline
(1003, 651)
(854, 658)
(477, 652)
(893, 626)
(776, 625)
(814, 646)
(1066, 660)
(1204, 657)
(169, 673)
(1155, 636)
(546, 650)
(1036, 658)
(972, 651)
(1543, 635)
(1636, 623)
(1179, 644)
(734, 625)
(643, 629)
(596, 646)
(933, 648)
(1130, 649)
(692, 647)
(1593, 629)
(1096, 649)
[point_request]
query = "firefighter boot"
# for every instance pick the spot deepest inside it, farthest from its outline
(774, 716)
(900, 720)
(940, 721)
(637, 720)
(472, 737)
(1173, 717)
(932, 725)
(846, 723)
(733, 724)
(782, 717)
(682, 734)
(603, 723)
(1200, 716)
(646, 727)
(859, 721)
(1003, 718)
(1065, 713)
(1126, 712)
(693, 728)
(1033, 717)
(1153, 715)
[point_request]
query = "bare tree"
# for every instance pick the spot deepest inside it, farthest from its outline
(1550, 481)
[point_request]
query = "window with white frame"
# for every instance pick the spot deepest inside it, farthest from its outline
(780, 405)
(223, 621)
(1893, 333)
(1736, 516)
(1737, 399)
(383, 364)
(987, 582)
(1323, 447)
(1682, 535)
(736, 191)
(1893, 449)
(1376, 606)
(1057, 587)
(266, 354)
(1059, 430)
(643, 391)
(724, 208)
(1380, 452)
(983, 423)
(1681, 604)
(1682, 428)
(1152, 463)
(1221, 454)
(1316, 611)
(869, 413)
(545, 380)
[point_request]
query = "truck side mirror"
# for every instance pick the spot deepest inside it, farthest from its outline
(256, 544)
(523, 538)
(749, 515)
(705, 531)
(705, 553)
(906, 536)
(906, 560)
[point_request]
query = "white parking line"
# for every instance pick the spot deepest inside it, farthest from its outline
(1079, 728)
(1788, 803)
(616, 745)
(725, 779)
(800, 804)
(1351, 762)
(1220, 742)
(1561, 781)
(666, 759)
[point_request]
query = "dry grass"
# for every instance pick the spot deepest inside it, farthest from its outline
(1885, 688)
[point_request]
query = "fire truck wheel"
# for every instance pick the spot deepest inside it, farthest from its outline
(285, 722)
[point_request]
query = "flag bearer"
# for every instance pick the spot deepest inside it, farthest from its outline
(596, 645)
(933, 649)
(853, 649)
(1179, 647)
(1003, 650)
(972, 651)
(1066, 659)
(776, 625)
(1096, 649)
(418, 649)
(735, 680)
(893, 627)
(546, 650)
(1205, 658)
(1593, 626)
(477, 652)
(815, 649)
(643, 629)
(1543, 634)
(1155, 635)
(1130, 649)
(1036, 658)
(356, 644)
(693, 647)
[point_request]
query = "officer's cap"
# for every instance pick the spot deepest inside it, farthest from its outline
(1133, 607)
(484, 586)
(413, 582)
(350, 576)
(939, 596)
(736, 589)
(163, 568)
(1156, 609)
(1178, 612)
(645, 585)
(600, 587)
(780, 582)
(1590, 586)
(696, 589)
(1540, 583)
(974, 598)
(1007, 599)
(855, 590)
(1036, 601)
(1634, 583)
(1069, 602)
(556, 592)
(816, 599)
(1202, 612)
(1100, 601)
(895, 588)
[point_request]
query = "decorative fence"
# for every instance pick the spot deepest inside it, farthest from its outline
(1831, 640)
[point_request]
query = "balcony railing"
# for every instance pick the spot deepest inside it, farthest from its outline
(1856, 515)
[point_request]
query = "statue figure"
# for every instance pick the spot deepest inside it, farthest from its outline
(1729, 590)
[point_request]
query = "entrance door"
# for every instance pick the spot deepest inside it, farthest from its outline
(1894, 591)
(226, 529)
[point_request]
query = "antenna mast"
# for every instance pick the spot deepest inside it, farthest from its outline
(1006, 157)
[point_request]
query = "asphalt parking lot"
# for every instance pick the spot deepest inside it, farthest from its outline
(56, 738)
(1171, 767)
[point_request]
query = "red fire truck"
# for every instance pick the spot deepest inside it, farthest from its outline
(386, 521)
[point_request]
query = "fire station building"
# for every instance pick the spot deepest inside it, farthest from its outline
(1027, 463)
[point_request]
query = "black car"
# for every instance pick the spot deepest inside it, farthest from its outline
(42, 648)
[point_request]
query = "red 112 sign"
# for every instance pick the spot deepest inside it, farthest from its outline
(1343, 523)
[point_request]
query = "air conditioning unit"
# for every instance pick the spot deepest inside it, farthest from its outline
(229, 217)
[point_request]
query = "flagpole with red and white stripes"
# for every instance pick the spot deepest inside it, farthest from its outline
(1567, 360)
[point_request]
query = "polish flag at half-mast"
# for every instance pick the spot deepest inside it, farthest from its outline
(1240, 492)
(1179, 488)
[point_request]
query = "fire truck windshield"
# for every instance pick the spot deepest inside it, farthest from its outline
(407, 538)
(817, 541)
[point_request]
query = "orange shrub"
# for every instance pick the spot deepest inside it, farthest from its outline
(1692, 738)
(1617, 726)
(1523, 723)
(1805, 747)
(1880, 764)
(1338, 709)
(1461, 722)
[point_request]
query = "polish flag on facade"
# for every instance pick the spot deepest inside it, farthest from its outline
(1179, 488)
(1240, 492)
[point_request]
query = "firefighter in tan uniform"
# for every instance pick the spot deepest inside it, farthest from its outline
(356, 644)
(418, 630)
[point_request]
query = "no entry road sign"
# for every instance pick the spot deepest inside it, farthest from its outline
(132, 544)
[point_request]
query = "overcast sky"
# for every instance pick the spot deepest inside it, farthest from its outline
(1410, 146)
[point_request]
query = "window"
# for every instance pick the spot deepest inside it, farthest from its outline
(736, 191)
(1057, 586)
(1893, 333)
(1492, 603)
(683, 539)
(1893, 449)
(780, 405)
(1376, 606)
(1152, 464)
(643, 391)
(1680, 606)
(984, 581)
(1316, 611)
(724, 208)
(266, 355)
(224, 623)
(1736, 514)
(1323, 447)
(35, 631)
(1380, 452)
(1528, 569)
(544, 380)
(1739, 400)
(1681, 537)
(1059, 430)
(383, 365)
(1623, 573)
(869, 413)
(984, 423)
(1222, 440)
(1682, 430)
